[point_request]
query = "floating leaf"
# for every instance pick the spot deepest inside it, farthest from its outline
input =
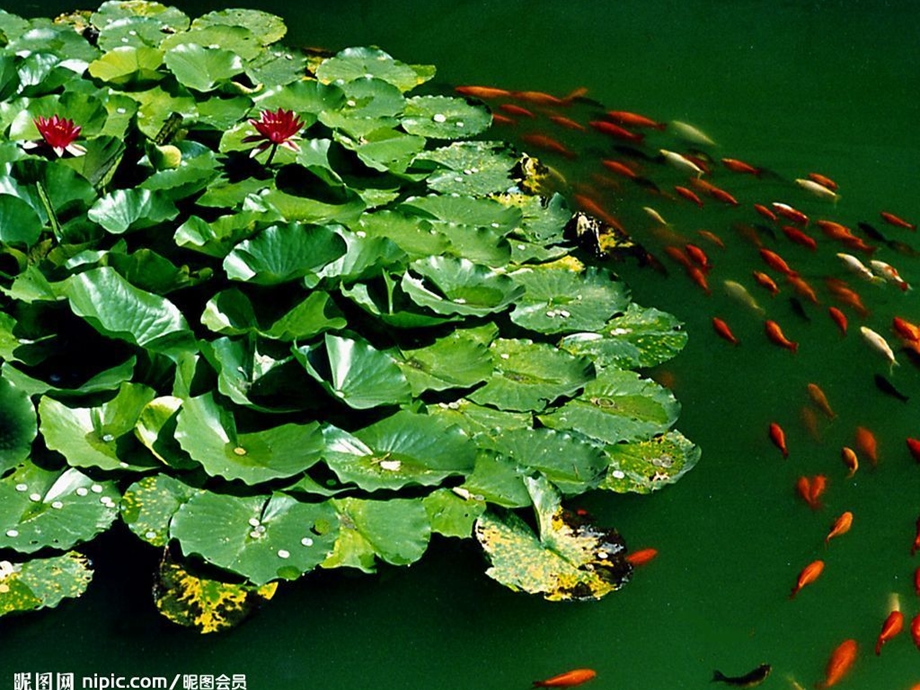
(477, 419)
(132, 209)
(262, 538)
(402, 449)
(396, 531)
(366, 63)
(617, 406)
(19, 223)
(155, 429)
(128, 64)
(355, 373)
(205, 603)
(268, 28)
(458, 360)
(283, 253)
(646, 466)
(208, 433)
(528, 376)
(18, 425)
(202, 69)
(149, 504)
(444, 117)
(569, 560)
(416, 237)
(42, 583)
(58, 509)
(465, 210)
(458, 286)
(498, 480)
(452, 515)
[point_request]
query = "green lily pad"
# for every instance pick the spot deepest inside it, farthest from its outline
(208, 433)
(416, 237)
(458, 286)
(262, 538)
(98, 436)
(301, 97)
(106, 380)
(543, 219)
(452, 515)
(641, 337)
(282, 253)
(134, 31)
(57, 509)
(478, 419)
(646, 466)
(132, 209)
(353, 64)
(386, 300)
(455, 361)
(341, 205)
(364, 258)
(202, 69)
(617, 406)
(396, 531)
(18, 425)
(19, 223)
(204, 603)
(155, 429)
(402, 449)
(485, 246)
(465, 210)
(529, 376)
(385, 149)
(471, 168)
(558, 300)
(42, 583)
(444, 117)
(268, 28)
(497, 480)
(567, 560)
(115, 308)
(236, 39)
(149, 504)
(127, 65)
(354, 372)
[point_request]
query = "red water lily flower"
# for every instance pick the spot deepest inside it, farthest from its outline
(275, 128)
(58, 133)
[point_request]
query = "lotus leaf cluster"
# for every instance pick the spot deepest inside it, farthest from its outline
(277, 312)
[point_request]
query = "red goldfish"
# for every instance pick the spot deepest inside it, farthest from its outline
(715, 192)
(891, 627)
(568, 679)
(697, 276)
(792, 214)
(518, 110)
(547, 143)
(917, 580)
(698, 256)
(823, 180)
(689, 195)
(616, 131)
(803, 288)
(737, 166)
(567, 122)
(724, 331)
(915, 630)
(865, 441)
(766, 281)
(538, 98)
(892, 219)
(483, 92)
(839, 318)
(778, 436)
(799, 237)
(841, 526)
(905, 329)
(839, 664)
(765, 212)
(775, 333)
(850, 460)
(916, 546)
(818, 485)
(619, 168)
(641, 557)
(808, 575)
(776, 262)
(628, 119)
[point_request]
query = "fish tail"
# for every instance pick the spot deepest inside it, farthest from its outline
(718, 677)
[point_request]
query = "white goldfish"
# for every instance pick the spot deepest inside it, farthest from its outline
(857, 267)
(879, 344)
(691, 133)
(817, 189)
(681, 162)
(740, 293)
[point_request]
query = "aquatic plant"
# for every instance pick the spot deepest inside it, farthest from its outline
(263, 370)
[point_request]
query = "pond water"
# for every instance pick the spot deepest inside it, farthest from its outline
(792, 86)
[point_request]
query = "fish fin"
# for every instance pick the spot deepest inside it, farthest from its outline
(718, 677)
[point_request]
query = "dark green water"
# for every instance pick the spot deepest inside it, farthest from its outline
(792, 86)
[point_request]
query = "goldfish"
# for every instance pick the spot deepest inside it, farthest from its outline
(823, 180)
(892, 219)
(619, 168)
(724, 331)
(547, 143)
(808, 575)
(857, 267)
(905, 329)
(699, 277)
(641, 557)
(889, 273)
(839, 318)
(803, 288)
(691, 133)
(820, 400)
(740, 293)
(775, 333)
(678, 256)
(655, 215)
(737, 166)
(748, 680)
(482, 92)
(817, 189)
(616, 131)
(568, 679)
(799, 237)
(499, 119)
(538, 98)
(841, 526)
(891, 627)
(698, 256)
(591, 207)
(766, 281)
(628, 119)
(810, 422)
(850, 459)
(789, 212)
(689, 195)
(915, 630)
(711, 237)
(818, 485)
(865, 441)
(843, 293)
(879, 344)
(776, 262)
(518, 110)
(916, 544)
(778, 436)
(843, 234)
(917, 580)
(765, 212)
(715, 192)
(567, 122)
(913, 445)
(681, 162)
(840, 662)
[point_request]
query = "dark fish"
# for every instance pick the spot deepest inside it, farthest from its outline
(888, 388)
(903, 248)
(748, 680)
(633, 152)
(767, 230)
(798, 309)
(871, 232)
(647, 184)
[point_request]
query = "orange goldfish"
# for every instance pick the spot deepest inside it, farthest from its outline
(802, 287)
(810, 422)
(502, 120)
(820, 400)
(699, 277)
(913, 445)
(518, 110)
(615, 131)
(808, 575)
(778, 436)
(915, 630)
(839, 664)
(724, 331)
(818, 485)
(591, 207)
(715, 192)
(865, 441)
(917, 580)
(765, 212)
(776, 262)
(799, 237)
(678, 256)
(482, 92)
(537, 98)
(905, 329)
(711, 237)
(789, 212)
(841, 526)
(766, 281)
(547, 143)
(916, 546)
(850, 459)
(628, 119)
(823, 180)
(619, 168)
(775, 333)
(892, 219)
(839, 318)
(737, 166)
(641, 557)
(689, 195)
(698, 256)
(891, 627)
(568, 679)
(567, 122)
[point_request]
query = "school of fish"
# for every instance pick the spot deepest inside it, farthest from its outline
(666, 166)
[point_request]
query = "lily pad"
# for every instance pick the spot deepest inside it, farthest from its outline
(205, 603)
(208, 433)
(202, 69)
(417, 238)
(368, 63)
(262, 538)
(18, 425)
(155, 429)
(567, 560)
(19, 223)
(58, 509)
(478, 419)
(458, 360)
(449, 285)
(465, 210)
(617, 406)
(132, 209)
(472, 168)
(149, 504)
(396, 531)
(444, 117)
(452, 515)
(42, 583)
(647, 466)
(267, 27)
(282, 253)
(128, 64)
(528, 376)
(402, 449)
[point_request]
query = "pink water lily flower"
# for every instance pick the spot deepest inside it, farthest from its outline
(58, 133)
(275, 128)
